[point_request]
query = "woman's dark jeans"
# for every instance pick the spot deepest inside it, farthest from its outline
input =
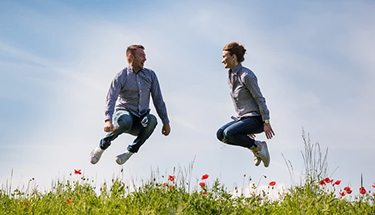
(236, 132)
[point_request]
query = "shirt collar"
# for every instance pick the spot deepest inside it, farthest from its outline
(131, 69)
(237, 68)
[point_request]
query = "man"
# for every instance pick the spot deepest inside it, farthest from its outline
(132, 87)
(250, 105)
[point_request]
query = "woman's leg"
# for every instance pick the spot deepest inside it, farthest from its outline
(236, 132)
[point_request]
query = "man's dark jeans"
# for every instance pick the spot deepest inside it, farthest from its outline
(125, 122)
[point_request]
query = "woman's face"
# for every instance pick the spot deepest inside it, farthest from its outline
(229, 61)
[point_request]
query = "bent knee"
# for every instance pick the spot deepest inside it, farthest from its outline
(149, 121)
(125, 122)
(220, 135)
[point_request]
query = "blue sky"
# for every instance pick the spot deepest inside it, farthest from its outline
(314, 61)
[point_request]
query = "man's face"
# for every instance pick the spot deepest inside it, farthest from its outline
(228, 60)
(139, 59)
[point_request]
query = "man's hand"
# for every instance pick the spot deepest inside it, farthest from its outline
(252, 136)
(268, 131)
(108, 127)
(166, 129)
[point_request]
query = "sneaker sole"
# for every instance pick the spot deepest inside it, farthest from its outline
(269, 157)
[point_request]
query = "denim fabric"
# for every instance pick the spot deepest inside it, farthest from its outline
(125, 122)
(235, 132)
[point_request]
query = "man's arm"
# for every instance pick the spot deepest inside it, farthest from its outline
(157, 98)
(160, 106)
(112, 95)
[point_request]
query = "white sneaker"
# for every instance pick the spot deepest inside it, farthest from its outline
(96, 154)
(263, 154)
(122, 158)
(257, 160)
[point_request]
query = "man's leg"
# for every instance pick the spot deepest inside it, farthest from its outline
(144, 127)
(123, 122)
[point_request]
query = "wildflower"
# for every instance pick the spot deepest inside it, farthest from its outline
(348, 190)
(322, 182)
(373, 185)
(202, 184)
(77, 172)
(327, 180)
(337, 182)
(69, 200)
(165, 184)
(272, 183)
(362, 190)
(204, 193)
(172, 187)
(342, 193)
(205, 176)
(171, 177)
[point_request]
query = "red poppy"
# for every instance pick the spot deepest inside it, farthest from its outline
(272, 183)
(327, 180)
(342, 193)
(322, 182)
(362, 190)
(205, 176)
(337, 182)
(69, 200)
(171, 177)
(348, 190)
(165, 184)
(77, 172)
(172, 187)
(204, 193)
(373, 185)
(202, 184)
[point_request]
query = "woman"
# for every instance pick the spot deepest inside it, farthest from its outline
(250, 105)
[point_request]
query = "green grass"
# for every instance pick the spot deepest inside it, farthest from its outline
(153, 197)
(170, 194)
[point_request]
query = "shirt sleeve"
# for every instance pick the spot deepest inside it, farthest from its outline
(112, 95)
(251, 83)
(158, 101)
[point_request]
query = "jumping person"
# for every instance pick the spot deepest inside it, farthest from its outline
(132, 87)
(250, 105)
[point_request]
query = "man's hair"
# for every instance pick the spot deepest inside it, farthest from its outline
(237, 49)
(131, 50)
